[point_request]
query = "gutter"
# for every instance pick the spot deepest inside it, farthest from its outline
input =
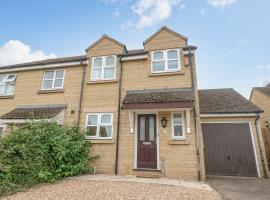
(81, 95)
(190, 49)
(260, 148)
(118, 119)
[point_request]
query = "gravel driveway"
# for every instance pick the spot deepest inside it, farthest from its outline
(91, 189)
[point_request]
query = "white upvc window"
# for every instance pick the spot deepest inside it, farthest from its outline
(7, 84)
(99, 125)
(178, 126)
(53, 79)
(103, 68)
(165, 61)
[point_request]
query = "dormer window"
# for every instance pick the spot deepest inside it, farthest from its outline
(103, 68)
(7, 84)
(165, 61)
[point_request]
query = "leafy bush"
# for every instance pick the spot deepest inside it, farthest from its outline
(38, 152)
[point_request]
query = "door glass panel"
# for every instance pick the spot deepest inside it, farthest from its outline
(142, 128)
(178, 130)
(151, 129)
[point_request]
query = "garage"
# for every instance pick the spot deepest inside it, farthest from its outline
(228, 149)
(230, 134)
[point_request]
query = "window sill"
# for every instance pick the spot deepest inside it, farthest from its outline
(50, 91)
(166, 73)
(178, 142)
(7, 97)
(101, 82)
(100, 141)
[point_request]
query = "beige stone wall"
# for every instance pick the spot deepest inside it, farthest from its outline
(251, 120)
(263, 102)
(100, 97)
(28, 83)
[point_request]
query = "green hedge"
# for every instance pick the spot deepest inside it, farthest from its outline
(39, 152)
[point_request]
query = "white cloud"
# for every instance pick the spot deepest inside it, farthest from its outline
(151, 12)
(14, 51)
(116, 13)
(267, 66)
(183, 6)
(220, 3)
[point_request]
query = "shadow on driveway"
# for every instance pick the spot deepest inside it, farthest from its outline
(241, 188)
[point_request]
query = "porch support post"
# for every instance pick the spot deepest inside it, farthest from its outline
(131, 121)
(188, 120)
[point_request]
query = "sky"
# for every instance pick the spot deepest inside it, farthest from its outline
(232, 36)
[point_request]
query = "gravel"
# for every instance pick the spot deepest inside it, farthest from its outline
(85, 189)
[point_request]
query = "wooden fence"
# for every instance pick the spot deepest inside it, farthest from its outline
(266, 138)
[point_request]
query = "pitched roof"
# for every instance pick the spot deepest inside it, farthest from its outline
(215, 101)
(264, 90)
(167, 29)
(47, 61)
(34, 112)
(109, 38)
(159, 96)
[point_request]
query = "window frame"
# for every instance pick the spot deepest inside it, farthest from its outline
(183, 137)
(165, 59)
(54, 78)
(97, 136)
(5, 83)
(103, 66)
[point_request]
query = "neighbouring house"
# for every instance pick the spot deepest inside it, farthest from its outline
(141, 109)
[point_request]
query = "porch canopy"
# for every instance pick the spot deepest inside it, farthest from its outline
(159, 99)
(35, 112)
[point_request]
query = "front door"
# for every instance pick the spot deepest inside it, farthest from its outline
(147, 142)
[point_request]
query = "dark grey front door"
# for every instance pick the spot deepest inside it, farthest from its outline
(228, 149)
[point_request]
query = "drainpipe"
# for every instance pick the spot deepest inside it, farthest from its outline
(81, 95)
(189, 48)
(260, 148)
(118, 120)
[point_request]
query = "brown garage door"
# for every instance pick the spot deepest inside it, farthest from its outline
(228, 149)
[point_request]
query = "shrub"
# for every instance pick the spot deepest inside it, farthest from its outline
(38, 152)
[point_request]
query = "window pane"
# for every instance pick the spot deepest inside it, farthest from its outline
(178, 130)
(105, 119)
(158, 66)
(91, 131)
(92, 119)
(105, 131)
(47, 84)
(2, 78)
(97, 63)
(1, 131)
(177, 118)
(96, 73)
(173, 64)
(142, 128)
(58, 83)
(110, 61)
(108, 73)
(9, 89)
(151, 128)
(49, 75)
(2, 87)
(59, 74)
(172, 54)
(158, 55)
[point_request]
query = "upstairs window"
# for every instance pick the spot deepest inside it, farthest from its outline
(103, 68)
(7, 84)
(53, 80)
(99, 125)
(178, 126)
(165, 61)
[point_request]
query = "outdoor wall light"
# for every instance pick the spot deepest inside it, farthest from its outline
(267, 124)
(164, 122)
